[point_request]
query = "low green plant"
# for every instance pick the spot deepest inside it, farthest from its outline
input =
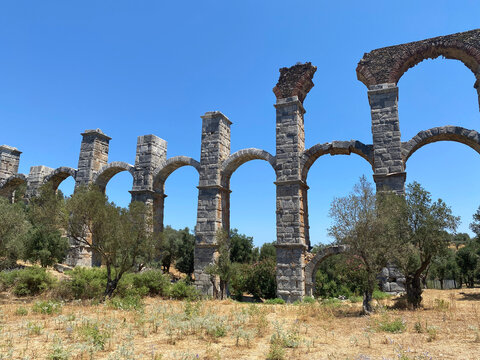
(276, 301)
(393, 326)
(431, 333)
(380, 295)
(355, 299)
(441, 305)
(47, 307)
(58, 352)
(309, 300)
(21, 311)
(34, 328)
(92, 332)
(418, 327)
(276, 352)
(130, 302)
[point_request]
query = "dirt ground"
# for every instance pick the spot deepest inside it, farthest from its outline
(447, 328)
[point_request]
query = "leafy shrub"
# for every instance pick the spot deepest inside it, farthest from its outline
(84, 283)
(182, 290)
(91, 332)
(28, 281)
(258, 279)
(355, 299)
(276, 301)
(47, 307)
(150, 282)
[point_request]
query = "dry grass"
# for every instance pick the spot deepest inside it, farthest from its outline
(447, 328)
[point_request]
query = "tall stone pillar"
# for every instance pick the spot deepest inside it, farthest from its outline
(9, 161)
(151, 153)
(35, 180)
(213, 198)
(292, 214)
(389, 168)
(93, 155)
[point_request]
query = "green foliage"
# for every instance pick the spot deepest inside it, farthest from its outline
(13, 231)
(45, 242)
(120, 236)
(422, 225)
(309, 300)
(468, 261)
(150, 282)
(185, 252)
(257, 279)
(127, 303)
(84, 283)
(47, 307)
(222, 267)
(21, 311)
(268, 251)
(276, 301)
(241, 248)
(168, 246)
(182, 290)
(26, 282)
(392, 326)
(380, 295)
(444, 267)
(361, 221)
(93, 333)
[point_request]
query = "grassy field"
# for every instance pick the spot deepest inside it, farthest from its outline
(447, 328)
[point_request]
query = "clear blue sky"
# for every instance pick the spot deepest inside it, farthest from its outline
(151, 67)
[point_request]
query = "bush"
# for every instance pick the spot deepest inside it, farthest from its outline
(84, 283)
(380, 295)
(150, 282)
(25, 282)
(392, 326)
(182, 290)
(21, 311)
(257, 279)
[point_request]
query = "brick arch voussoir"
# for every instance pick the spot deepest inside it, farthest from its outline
(107, 172)
(459, 134)
(57, 176)
(312, 267)
(9, 185)
(335, 148)
(162, 173)
(237, 159)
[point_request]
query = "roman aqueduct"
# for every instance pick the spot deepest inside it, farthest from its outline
(379, 70)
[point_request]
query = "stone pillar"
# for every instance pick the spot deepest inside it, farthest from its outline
(35, 180)
(213, 198)
(389, 168)
(9, 161)
(151, 153)
(93, 155)
(292, 213)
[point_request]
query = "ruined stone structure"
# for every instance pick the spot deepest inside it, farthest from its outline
(379, 70)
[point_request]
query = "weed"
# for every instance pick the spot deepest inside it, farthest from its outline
(276, 352)
(47, 307)
(91, 332)
(380, 295)
(432, 333)
(131, 302)
(21, 311)
(355, 299)
(276, 301)
(441, 305)
(308, 300)
(392, 326)
(418, 327)
(34, 328)
(58, 352)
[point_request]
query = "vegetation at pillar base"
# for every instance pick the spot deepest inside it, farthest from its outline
(120, 236)
(175, 247)
(45, 242)
(420, 228)
(222, 267)
(13, 231)
(360, 221)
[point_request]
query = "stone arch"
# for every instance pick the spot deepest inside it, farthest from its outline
(312, 267)
(234, 161)
(161, 174)
(56, 177)
(107, 172)
(459, 134)
(8, 186)
(335, 148)
(387, 65)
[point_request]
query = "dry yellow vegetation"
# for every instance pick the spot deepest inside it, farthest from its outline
(447, 328)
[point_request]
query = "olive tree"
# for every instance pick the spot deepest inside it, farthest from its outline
(121, 237)
(361, 222)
